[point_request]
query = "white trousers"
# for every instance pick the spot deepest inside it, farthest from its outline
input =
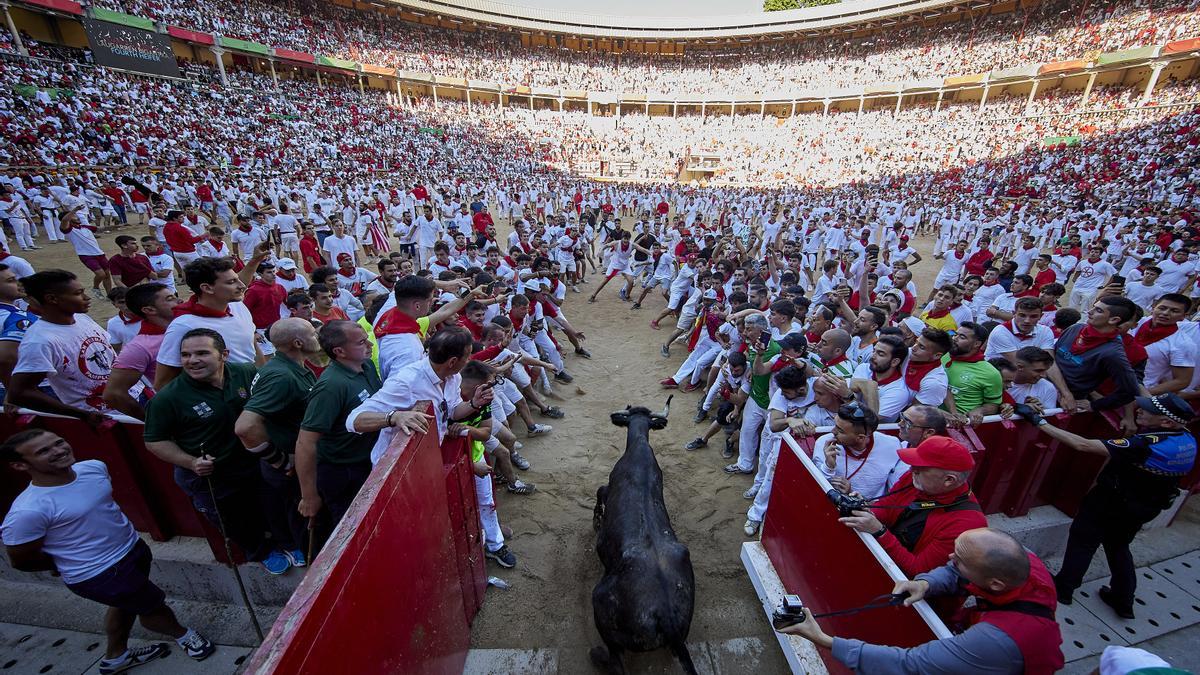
(754, 418)
(492, 536)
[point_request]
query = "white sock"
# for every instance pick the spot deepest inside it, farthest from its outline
(118, 659)
(191, 633)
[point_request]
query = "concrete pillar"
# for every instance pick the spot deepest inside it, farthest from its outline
(1032, 94)
(361, 89)
(274, 77)
(824, 111)
(862, 100)
(1158, 68)
(762, 110)
(702, 110)
(12, 29)
(400, 95)
(987, 88)
(675, 109)
(1087, 91)
(899, 98)
(468, 100)
(218, 52)
(647, 107)
(434, 90)
(560, 104)
(531, 101)
(319, 78)
(794, 107)
(938, 107)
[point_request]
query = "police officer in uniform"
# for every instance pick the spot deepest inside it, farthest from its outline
(1139, 481)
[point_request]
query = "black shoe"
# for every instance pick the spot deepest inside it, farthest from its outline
(701, 415)
(696, 444)
(1106, 596)
(503, 557)
(563, 377)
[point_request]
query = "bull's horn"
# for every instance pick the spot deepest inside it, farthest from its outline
(667, 407)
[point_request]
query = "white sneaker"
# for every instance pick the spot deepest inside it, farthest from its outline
(751, 527)
(751, 493)
(539, 429)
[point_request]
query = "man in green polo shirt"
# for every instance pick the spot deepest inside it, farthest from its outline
(331, 463)
(976, 387)
(190, 423)
(760, 349)
(269, 424)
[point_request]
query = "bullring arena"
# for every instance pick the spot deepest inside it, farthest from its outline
(934, 192)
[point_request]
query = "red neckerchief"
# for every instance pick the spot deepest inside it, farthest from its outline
(937, 313)
(217, 244)
(193, 307)
(476, 329)
(836, 361)
(244, 228)
(969, 358)
(1093, 261)
(861, 455)
(812, 337)
(887, 380)
(991, 283)
(968, 297)
(915, 372)
(1149, 333)
(132, 319)
(782, 362)
(960, 254)
(1050, 308)
(347, 272)
(1012, 328)
(487, 353)
(395, 322)
(1027, 246)
(1027, 293)
(1089, 338)
(517, 323)
(149, 328)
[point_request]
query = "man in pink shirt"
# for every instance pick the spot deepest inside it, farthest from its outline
(153, 303)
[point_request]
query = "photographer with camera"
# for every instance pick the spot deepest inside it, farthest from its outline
(1139, 481)
(918, 521)
(1011, 628)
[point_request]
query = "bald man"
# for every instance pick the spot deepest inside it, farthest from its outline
(1012, 628)
(270, 423)
(830, 354)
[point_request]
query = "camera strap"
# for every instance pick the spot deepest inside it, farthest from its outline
(877, 602)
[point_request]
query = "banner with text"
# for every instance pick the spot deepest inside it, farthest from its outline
(128, 48)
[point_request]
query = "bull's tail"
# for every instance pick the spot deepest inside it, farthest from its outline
(679, 649)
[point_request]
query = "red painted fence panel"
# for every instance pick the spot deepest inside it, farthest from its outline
(188, 35)
(386, 594)
(830, 566)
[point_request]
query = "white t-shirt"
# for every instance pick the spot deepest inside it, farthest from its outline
(119, 332)
(1143, 295)
(894, 396)
(1175, 274)
(1002, 340)
(334, 246)
(84, 241)
(1178, 349)
(871, 476)
(237, 329)
(163, 261)
(1092, 274)
(1043, 390)
(76, 359)
(83, 529)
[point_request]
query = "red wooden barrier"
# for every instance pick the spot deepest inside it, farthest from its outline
(388, 592)
(832, 567)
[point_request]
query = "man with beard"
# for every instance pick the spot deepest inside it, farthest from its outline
(976, 387)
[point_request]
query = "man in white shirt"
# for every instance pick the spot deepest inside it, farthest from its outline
(216, 303)
(1091, 274)
(1148, 289)
(856, 457)
(434, 378)
(339, 242)
(1023, 330)
(1025, 380)
(429, 231)
(67, 522)
(1170, 344)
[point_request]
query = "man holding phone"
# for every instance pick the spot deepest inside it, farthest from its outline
(760, 350)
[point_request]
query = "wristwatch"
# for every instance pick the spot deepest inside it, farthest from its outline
(879, 533)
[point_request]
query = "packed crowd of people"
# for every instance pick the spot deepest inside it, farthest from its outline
(1048, 31)
(345, 257)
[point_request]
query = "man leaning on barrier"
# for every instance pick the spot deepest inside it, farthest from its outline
(918, 521)
(1010, 629)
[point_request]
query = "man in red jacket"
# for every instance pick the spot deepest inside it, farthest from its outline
(263, 297)
(180, 239)
(940, 506)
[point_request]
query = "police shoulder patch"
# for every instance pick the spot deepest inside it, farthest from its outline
(1119, 442)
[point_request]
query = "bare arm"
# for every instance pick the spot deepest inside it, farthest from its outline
(116, 392)
(29, 557)
(1181, 376)
(163, 374)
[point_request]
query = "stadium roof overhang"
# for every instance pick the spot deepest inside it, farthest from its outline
(850, 16)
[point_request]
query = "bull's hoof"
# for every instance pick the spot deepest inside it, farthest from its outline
(599, 656)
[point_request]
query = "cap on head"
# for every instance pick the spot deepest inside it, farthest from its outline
(287, 264)
(1171, 406)
(938, 452)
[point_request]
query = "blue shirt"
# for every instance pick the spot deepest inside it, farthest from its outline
(14, 322)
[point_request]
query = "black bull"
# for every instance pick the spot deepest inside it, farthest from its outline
(644, 600)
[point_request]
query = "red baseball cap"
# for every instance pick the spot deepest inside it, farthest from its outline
(938, 452)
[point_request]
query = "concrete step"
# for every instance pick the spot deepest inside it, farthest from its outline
(37, 606)
(185, 569)
(36, 651)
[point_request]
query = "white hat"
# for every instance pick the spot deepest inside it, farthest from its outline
(710, 294)
(914, 324)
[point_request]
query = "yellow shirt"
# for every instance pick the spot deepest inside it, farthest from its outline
(946, 323)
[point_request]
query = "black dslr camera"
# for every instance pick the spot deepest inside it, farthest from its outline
(790, 612)
(846, 504)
